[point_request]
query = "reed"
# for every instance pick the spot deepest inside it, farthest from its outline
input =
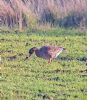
(27, 13)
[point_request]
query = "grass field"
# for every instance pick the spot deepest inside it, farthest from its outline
(34, 79)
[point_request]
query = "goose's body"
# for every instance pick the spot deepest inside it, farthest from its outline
(47, 52)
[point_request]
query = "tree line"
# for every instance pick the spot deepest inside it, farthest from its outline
(29, 13)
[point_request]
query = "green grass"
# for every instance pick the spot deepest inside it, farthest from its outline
(34, 79)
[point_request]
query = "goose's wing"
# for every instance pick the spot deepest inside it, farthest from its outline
(54, 51)
(43, 52)
(50, 51)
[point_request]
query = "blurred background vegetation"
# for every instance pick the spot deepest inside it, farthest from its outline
(33, 14)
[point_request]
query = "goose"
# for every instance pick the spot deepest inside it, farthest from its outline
(46, 52)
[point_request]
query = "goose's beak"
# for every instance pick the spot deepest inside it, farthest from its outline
(30, 55)
(27, 57)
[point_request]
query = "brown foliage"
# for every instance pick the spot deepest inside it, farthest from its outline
(17, 12)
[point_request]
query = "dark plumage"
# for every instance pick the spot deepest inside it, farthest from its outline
(46, 52)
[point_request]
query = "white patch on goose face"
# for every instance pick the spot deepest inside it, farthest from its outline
(58, 53)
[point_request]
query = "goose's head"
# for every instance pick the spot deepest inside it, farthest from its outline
(32, 50)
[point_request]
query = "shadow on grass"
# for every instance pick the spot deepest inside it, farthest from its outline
(67, 58)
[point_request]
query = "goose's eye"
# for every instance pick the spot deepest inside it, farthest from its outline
(31, 51)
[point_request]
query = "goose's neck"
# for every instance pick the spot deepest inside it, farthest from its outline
(37, 52)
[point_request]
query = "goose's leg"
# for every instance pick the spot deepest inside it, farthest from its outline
(50, 60)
